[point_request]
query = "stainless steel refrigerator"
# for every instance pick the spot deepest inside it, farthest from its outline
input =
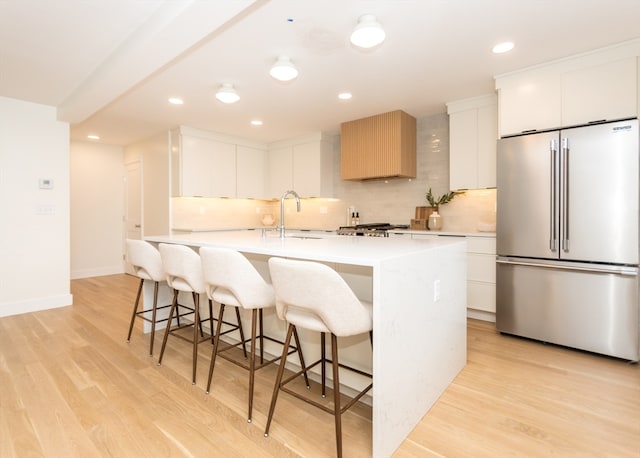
(567, 237)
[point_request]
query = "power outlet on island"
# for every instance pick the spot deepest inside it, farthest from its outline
(436, 290)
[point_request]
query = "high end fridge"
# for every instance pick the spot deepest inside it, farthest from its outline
(567, 237)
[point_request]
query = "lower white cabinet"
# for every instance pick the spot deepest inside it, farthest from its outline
(481, 271)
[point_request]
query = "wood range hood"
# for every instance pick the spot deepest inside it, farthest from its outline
(380, 146)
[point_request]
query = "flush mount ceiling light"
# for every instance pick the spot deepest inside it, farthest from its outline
(227, 94)
(283, 69)
(502, 47)
(176, 101)
(368, 33)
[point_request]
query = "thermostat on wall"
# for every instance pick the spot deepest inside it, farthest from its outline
(45, 183)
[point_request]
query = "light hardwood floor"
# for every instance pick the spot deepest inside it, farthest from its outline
(71, 386)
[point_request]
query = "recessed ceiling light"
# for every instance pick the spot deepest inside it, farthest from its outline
(256, 122)
(176, 101)
(502, 47)
(345, 95)
(93, 137)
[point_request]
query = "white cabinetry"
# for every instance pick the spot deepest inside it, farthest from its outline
(303, 165)
(606, 91)
(473, 133)
(206, 164)
(529, 101)
(251, 165)
(599, 86)
(481, 274)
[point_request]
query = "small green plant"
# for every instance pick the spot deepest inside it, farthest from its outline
(443, 199)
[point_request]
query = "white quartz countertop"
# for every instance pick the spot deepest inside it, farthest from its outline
(367, 251)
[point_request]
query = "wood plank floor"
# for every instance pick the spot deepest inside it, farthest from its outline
(71, 386)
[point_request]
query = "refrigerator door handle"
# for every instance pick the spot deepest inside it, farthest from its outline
(620, 270)
(553, 235)
(565, 195)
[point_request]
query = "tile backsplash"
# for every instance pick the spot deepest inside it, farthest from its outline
(377, 201)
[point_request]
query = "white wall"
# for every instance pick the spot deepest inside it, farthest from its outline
(34, 222)
(97, 209)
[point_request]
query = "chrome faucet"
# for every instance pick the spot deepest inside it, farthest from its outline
(284, 196)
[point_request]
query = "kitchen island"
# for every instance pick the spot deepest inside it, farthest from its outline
(418, 290)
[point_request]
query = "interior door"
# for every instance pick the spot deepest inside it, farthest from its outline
(527, 196)
(133, 204)
(602, 201)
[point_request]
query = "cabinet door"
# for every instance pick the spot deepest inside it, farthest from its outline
(251, 164)
(207, 168)
(463, 149)
(487, 146)
(529, 102)
(223, 179)
(604, 92)
(196, 163)
(280, 171)
(307, 169)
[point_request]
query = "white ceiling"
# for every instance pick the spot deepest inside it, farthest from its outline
(110, 65)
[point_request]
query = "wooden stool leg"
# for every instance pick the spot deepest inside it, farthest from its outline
(216, 342)
(135, 309)
(168, 328)
(252, 360)
(154, 311)
(336, 394)
(196, 325)
(244, 349)
(302, 364)
(276, 388)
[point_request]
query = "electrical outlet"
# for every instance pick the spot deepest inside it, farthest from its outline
(436, 290)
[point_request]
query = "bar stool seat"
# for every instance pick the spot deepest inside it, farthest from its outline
(147, 266)
(231, 280)
(313, 296)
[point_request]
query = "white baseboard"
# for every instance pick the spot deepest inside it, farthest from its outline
(97, 272)
(34, 305)
(481, 315)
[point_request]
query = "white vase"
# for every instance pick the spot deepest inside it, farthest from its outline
(435, 221)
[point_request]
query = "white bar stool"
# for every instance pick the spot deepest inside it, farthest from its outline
(313, 296)
(147, 265)
(183, 271)
(231, 280)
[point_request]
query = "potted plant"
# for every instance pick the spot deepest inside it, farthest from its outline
(434, 221)
(443, 199)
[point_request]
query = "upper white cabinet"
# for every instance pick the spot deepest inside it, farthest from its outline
(206, 165)
(594, 87)
(603, 92)
(529, 101)
(303, 165)
(473, 134)
(251, 166)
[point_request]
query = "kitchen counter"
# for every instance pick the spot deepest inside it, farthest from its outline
(419, 313)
